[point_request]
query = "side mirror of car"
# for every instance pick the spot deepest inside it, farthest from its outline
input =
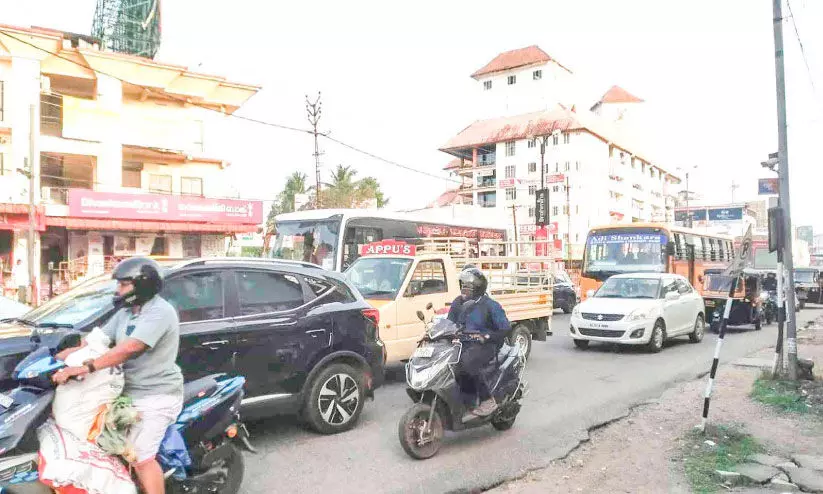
(672, 295)
(69, 340)
(589, 293)
(421, 316)
(429, 306)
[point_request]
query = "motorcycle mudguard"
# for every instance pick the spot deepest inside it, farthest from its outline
(210, 415)
(19, 422)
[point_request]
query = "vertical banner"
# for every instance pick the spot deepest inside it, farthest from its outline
(541, 210)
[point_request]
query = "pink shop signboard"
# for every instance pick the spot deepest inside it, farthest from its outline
(108, 205)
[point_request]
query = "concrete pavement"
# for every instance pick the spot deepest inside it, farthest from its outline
(571, 391)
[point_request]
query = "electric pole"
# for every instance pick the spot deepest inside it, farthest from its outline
(33, 133)
(313, 111)
(783, 181)
(733, 188)
(568, 225)
(514, 220)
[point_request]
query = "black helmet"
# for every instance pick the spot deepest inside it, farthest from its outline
(145, 274)
(473, 283)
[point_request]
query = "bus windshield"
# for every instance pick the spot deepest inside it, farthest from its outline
(378, 278)
(635, 250)
(312, 241)
(763, 259)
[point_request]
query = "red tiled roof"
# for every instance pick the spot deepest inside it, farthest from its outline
(515, 58)
(619, 95)
(501, 129)
(446, 199)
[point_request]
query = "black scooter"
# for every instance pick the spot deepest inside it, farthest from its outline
(209, 424)
(439, 403)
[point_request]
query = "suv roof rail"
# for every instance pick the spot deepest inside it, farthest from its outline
(258, 260)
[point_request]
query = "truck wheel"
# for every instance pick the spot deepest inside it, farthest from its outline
(522, 335)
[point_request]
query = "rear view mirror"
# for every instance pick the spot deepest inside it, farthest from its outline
(429, 306)
(421, 316)
(672, 295)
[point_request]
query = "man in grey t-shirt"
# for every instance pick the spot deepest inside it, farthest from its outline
(146, 336)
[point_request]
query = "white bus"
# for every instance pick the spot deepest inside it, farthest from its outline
(332, 238)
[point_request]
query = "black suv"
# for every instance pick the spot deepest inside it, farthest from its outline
(305, 340)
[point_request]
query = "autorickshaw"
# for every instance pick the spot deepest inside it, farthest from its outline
(747, 300)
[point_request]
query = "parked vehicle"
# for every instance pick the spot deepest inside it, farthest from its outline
(438, 402)
(209, 423)
(639, 309)
(397, 277)
(747, 302)
(808, 283)
(565, 295)
(303, 337)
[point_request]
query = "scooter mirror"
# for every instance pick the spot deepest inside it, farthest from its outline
(421, 316)
(429, 306)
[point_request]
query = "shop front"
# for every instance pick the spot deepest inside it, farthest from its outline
(14, 230)
(102, 228)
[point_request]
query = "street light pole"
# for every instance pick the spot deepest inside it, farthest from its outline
(783, 181)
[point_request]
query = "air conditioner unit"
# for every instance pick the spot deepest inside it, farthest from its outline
(45, 84)
(45, 194)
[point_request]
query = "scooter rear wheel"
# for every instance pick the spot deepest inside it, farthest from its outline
(411, 434)
(234, 468)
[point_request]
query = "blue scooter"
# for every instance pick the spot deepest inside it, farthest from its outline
(209, 426)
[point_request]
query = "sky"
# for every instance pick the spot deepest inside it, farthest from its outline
(395, 79)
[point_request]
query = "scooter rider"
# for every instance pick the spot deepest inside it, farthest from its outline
(146, 334)
(770, 282)
(485, 321)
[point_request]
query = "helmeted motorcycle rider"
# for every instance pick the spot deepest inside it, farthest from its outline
(770, 282)
(485, 321)
(146, 334)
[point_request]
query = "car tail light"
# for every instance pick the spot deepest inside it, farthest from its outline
(373, 315)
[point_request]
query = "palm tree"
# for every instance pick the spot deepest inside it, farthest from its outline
(341, 192)
(369, 188)
(295, 184)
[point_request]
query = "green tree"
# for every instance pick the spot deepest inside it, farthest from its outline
(284, 202)
(344, 191)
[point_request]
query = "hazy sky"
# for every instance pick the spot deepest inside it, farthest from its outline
(395, 78)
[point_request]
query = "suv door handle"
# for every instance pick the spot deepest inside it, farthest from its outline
(214, 343)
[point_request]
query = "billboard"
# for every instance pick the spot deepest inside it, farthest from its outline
(767, 186)
(682, 215)
(541, 210)
(806, 233)
(726, 214)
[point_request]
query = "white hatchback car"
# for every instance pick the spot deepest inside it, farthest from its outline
(640, 309)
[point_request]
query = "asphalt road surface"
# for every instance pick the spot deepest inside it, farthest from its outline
(570, 392)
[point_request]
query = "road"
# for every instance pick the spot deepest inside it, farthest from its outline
(571, 391)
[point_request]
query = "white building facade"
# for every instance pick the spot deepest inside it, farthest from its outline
(595, 172)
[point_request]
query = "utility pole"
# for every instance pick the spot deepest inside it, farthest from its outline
(516, 241)
(783, 181)
(544, 141)
(313, 111)
(734, 187)
(32, 161)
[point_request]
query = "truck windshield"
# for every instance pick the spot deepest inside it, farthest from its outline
(312, 241)
(804, 276)
(378, 278)
(616, 251)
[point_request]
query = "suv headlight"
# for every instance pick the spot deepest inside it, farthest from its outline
(637, 315)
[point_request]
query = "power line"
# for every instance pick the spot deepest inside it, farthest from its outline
(802, 48)
(241, 117)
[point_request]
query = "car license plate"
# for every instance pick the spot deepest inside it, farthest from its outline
(424, 351)
(599, 325)
(6, 401)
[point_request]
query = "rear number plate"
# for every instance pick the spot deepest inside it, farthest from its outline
(424, 351)
(6, 401)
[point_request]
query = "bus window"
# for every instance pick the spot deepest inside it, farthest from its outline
(679, 246)
(355, 237)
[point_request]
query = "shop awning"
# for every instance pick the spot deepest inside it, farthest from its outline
(147, 226)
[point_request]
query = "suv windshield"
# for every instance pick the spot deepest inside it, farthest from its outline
(88, 300)
(629, 288)
(378, 278)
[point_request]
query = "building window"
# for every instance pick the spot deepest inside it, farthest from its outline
(512, 80)
(531, 143)
(51, 115)
(511, 194)
(555, 140)
(555, 210)
(577, 165)
(510, 148)
(132, 174)
(577, 210)
(2, 99)
(566, 209)
(487, 85)
(537, 75)
(532, 189)
(191, 186)
(532, 167)
(567, 138)
(510, 171)
(160, 183)
(557, 167)
(556, 188)
(531, 212)
(568, 166)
